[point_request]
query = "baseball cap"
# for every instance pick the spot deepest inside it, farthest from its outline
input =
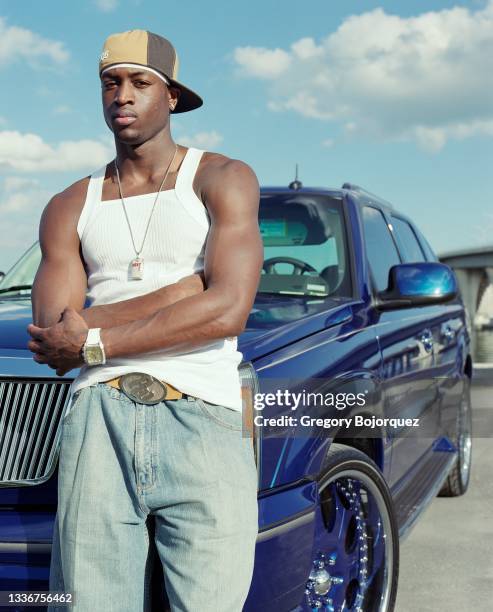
(149, 50)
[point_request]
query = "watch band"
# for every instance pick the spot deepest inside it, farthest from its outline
(93, 340)
(93, 336)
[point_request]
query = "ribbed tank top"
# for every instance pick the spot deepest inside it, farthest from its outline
(174, 248)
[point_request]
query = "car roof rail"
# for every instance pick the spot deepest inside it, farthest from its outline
(367, 194)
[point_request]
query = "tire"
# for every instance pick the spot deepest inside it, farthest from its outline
(458, 478)
(356, 547)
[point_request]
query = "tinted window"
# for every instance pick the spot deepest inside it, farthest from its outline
(380, 248)
(305, 247)
(429, 252)
(408, 243)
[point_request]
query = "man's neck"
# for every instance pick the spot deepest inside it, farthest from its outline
(145, 161)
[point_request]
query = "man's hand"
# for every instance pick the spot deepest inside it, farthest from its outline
(60, 345)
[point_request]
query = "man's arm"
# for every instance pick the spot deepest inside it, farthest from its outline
(142, 306)
(233, 261)
(60, 280)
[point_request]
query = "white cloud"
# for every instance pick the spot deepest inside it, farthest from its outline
(16, 202)
(106, 5)
(21, 43)
(29, 153)
(328, 143)
(22, 200)
(262, 63)
(22, 194)
(14, 183)
(17, 236)
(202, 140)
(305, 48)
(426, 79)
(433, 139)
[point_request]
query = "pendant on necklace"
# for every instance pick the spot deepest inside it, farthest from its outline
(137, 268)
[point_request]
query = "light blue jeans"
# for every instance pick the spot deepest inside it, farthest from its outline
(185, 462)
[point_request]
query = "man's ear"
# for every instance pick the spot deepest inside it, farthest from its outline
(174, 95)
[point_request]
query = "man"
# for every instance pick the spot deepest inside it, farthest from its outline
(154, 428)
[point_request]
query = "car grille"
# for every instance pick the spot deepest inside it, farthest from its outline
(30, 413)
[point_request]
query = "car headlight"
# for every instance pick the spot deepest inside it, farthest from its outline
(249, 388)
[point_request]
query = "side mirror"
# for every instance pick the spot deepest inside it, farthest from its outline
(418, 284)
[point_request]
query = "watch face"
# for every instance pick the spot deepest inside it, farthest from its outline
(94, 355)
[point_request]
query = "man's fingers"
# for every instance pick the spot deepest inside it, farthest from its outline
(40, 358)
(36, 332)
(35, 347)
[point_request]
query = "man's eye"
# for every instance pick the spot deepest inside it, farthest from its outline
(108, 84)
(141, 83)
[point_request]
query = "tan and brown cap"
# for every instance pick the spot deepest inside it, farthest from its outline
(150, 50)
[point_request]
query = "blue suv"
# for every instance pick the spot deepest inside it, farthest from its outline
(356, 371)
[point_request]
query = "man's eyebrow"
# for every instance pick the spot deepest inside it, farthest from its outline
(131, 74)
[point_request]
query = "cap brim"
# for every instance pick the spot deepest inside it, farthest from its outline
(188, 99)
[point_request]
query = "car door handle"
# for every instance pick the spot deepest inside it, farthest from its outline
(447, 332)
(426, 338)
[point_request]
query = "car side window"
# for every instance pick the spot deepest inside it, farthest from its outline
(429, 252)
(409, 246)
(380, 247)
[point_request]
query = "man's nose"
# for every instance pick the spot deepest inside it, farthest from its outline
(124, 93)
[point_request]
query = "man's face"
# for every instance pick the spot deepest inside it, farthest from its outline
(136, 103)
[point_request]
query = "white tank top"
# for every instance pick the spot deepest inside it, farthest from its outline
(174, 248)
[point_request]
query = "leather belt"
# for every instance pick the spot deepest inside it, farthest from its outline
(144, 388)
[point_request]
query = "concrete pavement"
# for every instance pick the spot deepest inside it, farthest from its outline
(447, 560)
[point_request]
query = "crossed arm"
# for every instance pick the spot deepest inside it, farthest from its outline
(179, 317)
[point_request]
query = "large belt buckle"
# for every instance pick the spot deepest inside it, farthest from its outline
(143, 388)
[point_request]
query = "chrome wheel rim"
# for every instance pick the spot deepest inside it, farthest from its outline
(353, 557)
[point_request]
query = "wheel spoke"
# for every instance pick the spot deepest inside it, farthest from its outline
(345, 538)
(350, 551)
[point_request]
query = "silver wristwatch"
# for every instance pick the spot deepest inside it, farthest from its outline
(93, 349)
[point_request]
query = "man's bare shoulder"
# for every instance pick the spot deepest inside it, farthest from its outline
(73, 196)
(214, 163)
(61, 215)
(217, 170)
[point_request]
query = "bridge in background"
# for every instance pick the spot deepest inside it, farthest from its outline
(474, 271)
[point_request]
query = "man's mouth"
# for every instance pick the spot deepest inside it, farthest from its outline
(124, 118)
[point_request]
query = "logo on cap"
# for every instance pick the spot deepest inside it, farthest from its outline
(105, 54)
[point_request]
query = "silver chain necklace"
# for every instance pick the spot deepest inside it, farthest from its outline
(137, 264)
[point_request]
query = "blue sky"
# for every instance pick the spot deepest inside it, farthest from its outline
(394, 96)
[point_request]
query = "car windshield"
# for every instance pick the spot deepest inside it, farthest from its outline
(305, 249)
(20, 277)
